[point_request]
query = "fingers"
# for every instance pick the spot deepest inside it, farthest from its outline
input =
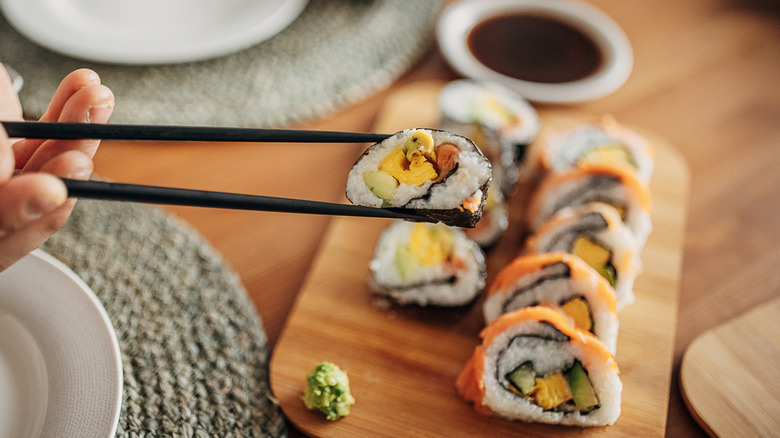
(6, 157)
(35, 204)
(69, 85)
(90, 104)
(70, 164)
(15, 245)
(10, 108)
(27, 198)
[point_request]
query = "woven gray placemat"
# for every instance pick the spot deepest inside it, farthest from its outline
(336, 53)
(194, 353)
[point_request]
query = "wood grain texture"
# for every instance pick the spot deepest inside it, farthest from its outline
(403, 362)
(729, 375)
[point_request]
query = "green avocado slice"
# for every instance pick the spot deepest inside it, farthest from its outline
(581, 388)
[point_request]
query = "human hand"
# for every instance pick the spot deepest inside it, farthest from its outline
(34, 204)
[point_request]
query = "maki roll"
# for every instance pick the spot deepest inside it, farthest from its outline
(494, 222)
(598, 182)
(604, 142)
(501, 123)
(533, 366)
(433, 173)
(427, 264)
(595, 233)
(560, 281)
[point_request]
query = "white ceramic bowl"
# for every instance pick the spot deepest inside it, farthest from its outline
(459, 18)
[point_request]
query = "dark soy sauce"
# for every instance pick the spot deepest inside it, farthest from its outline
(535, 48)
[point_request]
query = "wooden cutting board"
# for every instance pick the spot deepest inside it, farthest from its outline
(730, 375)
(402, 362)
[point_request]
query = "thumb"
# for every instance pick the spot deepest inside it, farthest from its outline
(7, 161)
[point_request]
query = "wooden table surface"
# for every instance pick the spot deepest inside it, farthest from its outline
(706, 78)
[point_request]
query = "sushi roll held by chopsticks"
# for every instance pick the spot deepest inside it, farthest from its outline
(433, 173)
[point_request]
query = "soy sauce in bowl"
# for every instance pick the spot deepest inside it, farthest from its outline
(535, 48)
(548, 51)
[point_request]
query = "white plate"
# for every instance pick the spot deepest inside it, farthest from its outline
(60, 365)
(457, 20)
(149, 31)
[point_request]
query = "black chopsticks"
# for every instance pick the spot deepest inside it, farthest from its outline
(199, 198)
(74, 131)
(109, 191)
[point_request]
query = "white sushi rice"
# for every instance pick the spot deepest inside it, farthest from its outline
(555, 290)
(429, 284)
(472, 174)
(506, 352)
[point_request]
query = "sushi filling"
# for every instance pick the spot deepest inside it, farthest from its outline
(582, 243)
(414, 163)
(536, 368)
(409, 170)
(551, 288)
(427, 246)
(593, 145)
(436, 174)
(595, 254)
(427, 264)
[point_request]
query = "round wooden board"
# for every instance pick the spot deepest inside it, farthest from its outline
(730, 378)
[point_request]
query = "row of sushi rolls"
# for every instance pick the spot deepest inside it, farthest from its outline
(551, 314)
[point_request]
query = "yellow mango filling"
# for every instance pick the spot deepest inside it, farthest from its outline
(579, 311)
(432, 245)
(412, 163)
(420, 143)
(493, 105)
(414, 173)
(550, 391)
(591, 252)
(595, 255)
(428, 245)
(609, 153)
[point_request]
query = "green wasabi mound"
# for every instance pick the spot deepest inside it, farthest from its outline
(327, 390)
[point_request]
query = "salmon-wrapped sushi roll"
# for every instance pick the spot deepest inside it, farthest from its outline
(427, 264)
(595, 233)
(533, 366)
(437, 174)
(560, 281)
(613, 185)
(501, 123)
(604, 142)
